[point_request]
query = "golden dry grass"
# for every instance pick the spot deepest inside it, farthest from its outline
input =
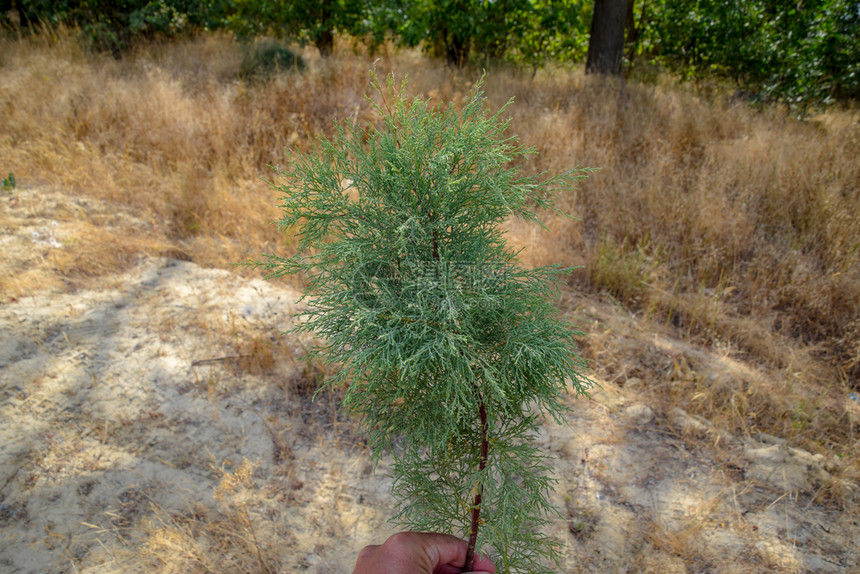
(737, 228)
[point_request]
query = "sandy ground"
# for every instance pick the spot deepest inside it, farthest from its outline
(160, 422)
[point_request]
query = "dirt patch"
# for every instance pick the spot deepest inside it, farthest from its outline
(157, 419)
(133, 421)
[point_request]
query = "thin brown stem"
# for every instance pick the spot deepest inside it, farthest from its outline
(479, 491)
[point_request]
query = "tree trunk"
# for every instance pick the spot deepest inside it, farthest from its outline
(606, 42)
(325, 43)
(457, 51)
(631, 33)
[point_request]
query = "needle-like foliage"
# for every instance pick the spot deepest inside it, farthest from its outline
(449, 351)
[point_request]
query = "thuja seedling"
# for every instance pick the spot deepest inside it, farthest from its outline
(448, 350)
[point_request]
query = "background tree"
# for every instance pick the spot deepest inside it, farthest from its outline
(453, 29)
(447, 349)
(606, 41)
(550, 31)
(800, 53)
(314, 22)
(524, 31)
(113, 25)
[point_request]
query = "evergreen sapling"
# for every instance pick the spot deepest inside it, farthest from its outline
(450, 353)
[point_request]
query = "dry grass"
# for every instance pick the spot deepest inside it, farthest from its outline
(228, 538)
(706, 212)
(735, 228)
(169, 134)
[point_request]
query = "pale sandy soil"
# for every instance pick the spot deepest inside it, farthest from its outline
(159, 422)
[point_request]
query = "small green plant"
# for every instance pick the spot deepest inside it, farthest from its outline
(450, 353)
(9, 182)
(267, 58)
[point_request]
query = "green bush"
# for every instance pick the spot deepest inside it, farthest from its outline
(267, 58)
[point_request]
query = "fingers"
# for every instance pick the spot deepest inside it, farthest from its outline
(442, 548)
(446, 550)
(366, 554)
(455, 570)
(483, 563)
(419, 552)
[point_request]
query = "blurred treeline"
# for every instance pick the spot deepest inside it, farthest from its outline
(799, 53)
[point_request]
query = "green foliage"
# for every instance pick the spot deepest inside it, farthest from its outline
(9, 183)
(800, 53)
(112, 25)
(523, 31)
(305, 22)
(448, 350)
(552, 31)
(268, 57)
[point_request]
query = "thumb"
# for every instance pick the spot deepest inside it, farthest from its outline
(483, 565)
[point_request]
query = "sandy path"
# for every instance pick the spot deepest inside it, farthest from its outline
(161, 423)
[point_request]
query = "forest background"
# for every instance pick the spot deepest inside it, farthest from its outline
(801, 53)
(726, 211)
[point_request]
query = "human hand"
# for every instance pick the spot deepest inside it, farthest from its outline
(419, 553)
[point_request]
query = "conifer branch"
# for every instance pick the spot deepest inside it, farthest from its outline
(428, 321)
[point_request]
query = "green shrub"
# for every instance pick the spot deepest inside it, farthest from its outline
(267, 58)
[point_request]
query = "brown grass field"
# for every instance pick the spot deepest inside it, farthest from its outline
(731, 229)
